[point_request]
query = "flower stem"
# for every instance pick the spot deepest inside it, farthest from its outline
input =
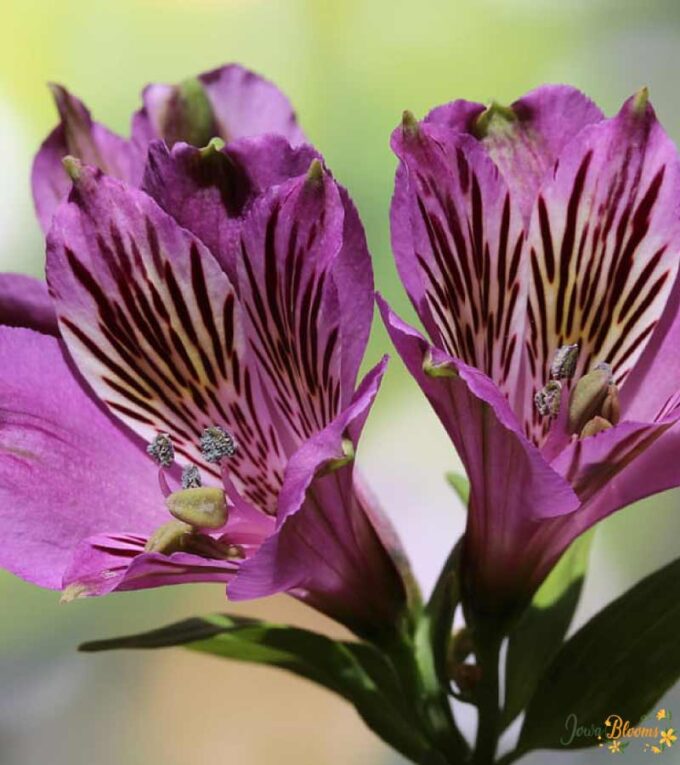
(488, 728)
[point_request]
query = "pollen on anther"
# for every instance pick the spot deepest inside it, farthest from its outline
(564, 362)
(216, 444)
(162, 450)
(191, 478)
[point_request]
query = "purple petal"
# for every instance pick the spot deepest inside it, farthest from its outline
(117, 562)
(24, 302)
(154, 326)
(510, 482)
(457, 236)
(603, 243)
(526, 141)
(79, 136)
(305, 284)
(243, 104)
(67, 470)
(326, 549)
(208, 191)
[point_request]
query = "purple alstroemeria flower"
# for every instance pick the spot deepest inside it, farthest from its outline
(231, 344)
(227, 103)
(540, 246)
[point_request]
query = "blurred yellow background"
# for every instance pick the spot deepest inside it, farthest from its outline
(350, 68)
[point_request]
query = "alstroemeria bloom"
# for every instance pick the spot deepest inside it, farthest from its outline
(227, 103)
(540, 246)
(254, 339)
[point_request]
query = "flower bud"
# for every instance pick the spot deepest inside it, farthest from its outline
(204, 507)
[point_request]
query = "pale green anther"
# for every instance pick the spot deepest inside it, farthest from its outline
(548, 399)
(73, 167)
(315, 173)
(564, 362)
(611, 408)
(433, 369)
(213, 146)
(640, 100)
(593, 427)
(204, 507)
(588, 396)
(409, 124)
(169, 538)
(336, 463)
(496, 118)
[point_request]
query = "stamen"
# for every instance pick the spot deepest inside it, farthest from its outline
(611, 409)
(202, 508)
(588, 396)
(216, 444)
(191, 478)
(564, 362)
(169, 538)
(547, 400)
(162, 450)
(595, 426)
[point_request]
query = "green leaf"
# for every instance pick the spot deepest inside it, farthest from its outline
(461, 486)
(356, 671)
(620, 663)
(540, 632)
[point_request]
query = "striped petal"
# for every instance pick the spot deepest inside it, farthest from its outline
(603, 244)
(510, 482)
(457, 236)
(305, 282)
(524, 139)
(229, 102)
(326, 548)
(77, 135)
(154, 326)
(24, 302)
(209, 191)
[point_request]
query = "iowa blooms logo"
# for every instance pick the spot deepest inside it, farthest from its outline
(618, 734)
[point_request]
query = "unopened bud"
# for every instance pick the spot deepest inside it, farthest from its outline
(466, 677)
(201, 508)
(169, 538)
(564, 362)
(547, 400)
(588, 396)
(595, 426)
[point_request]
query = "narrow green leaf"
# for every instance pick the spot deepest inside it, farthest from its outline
(356, 671)
(461, 486)
(537, 637)
(620, 663)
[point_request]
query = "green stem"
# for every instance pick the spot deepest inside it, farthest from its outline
(488, 728)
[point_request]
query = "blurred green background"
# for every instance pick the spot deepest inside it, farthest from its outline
(350, 68)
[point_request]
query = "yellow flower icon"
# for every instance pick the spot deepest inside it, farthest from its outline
(656, 750)
(615, 747)
(668, 737)
(661, 714)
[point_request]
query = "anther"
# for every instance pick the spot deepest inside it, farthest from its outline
(564, 362)
(611, 408)
(588, 396)
(191, 478)
(162, 450)
(169, 538)
(547, 400)
(202, 508)
(216, 444)
(595, 426)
